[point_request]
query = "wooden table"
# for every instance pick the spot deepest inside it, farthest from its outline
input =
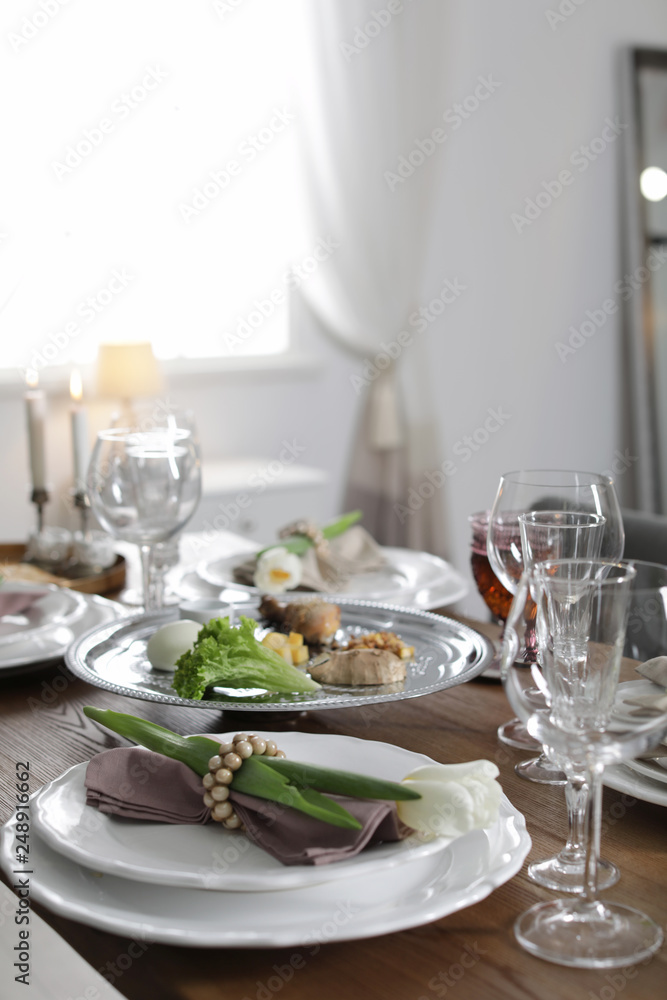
(42, 722)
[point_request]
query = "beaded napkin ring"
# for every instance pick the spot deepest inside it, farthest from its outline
(221, 769)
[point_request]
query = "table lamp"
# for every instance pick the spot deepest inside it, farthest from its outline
(128, 371)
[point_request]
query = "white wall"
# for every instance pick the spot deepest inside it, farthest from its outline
(496, 345)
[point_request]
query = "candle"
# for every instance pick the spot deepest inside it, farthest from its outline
(35, 402)
(79, 418)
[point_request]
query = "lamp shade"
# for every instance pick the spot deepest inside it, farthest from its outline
(128, 371)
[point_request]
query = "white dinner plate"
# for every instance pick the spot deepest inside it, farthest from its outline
(51, 644)
(650, 768)
(56, 607)
(411, 578)
(468, 870)
(168, 854)
(624, 779)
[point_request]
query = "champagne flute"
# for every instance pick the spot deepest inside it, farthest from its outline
(144, 486)
(582, 609)
(549, 535)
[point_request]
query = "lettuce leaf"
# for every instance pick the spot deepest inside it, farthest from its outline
(231, 657)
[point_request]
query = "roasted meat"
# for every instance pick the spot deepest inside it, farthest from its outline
(316, 620)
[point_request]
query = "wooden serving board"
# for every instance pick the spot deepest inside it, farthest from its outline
(106, 582)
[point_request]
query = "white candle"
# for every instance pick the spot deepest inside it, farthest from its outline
(79, 417)
(35, 402)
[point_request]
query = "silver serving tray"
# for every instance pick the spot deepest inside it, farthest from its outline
(447, 653)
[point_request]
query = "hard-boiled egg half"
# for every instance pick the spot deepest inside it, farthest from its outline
(170, 641)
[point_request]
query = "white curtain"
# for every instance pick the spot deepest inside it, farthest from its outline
(375, 88)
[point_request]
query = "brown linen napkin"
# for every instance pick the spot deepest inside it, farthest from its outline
(330, 568)
(14, 602)
(138, 784)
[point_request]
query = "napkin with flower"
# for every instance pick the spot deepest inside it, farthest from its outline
(313, 558)
(299, 813)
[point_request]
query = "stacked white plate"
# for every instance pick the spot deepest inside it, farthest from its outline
(642, 779)
(203, 886)
(41, 634)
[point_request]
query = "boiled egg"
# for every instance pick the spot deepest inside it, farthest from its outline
(170, 641)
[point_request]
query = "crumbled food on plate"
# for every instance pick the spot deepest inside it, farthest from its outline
(381, 640)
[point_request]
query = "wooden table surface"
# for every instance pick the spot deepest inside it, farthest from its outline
(42, 722)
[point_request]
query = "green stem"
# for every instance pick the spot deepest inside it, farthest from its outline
(298, 544)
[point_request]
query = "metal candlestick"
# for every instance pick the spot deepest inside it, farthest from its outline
(82, 503)
(40, 497)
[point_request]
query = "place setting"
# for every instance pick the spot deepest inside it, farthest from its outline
(297, 823)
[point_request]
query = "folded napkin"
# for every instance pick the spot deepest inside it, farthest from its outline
(139, 784)
(329, 567)
(654, 670)
(15, 602)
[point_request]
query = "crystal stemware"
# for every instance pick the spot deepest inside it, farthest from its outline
(144, 486)
(582, 609)
(523, 491)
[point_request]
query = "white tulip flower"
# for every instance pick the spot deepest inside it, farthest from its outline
(278, 570)
(455, 798)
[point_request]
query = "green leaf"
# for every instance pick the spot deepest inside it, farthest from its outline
(340, 782)
(298, 544)
(231, 657)
(255, 778)
(195, 751)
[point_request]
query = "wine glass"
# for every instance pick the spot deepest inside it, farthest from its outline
(144, 486)
(582, 609)
(164, 555)
(543, 489)
(497, 599)
(548, 535)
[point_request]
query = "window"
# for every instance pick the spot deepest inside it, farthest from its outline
(151, 153)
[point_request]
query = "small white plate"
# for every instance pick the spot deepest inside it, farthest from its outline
(415, 579)
(468, 870)
(169, 854)
(50, 645)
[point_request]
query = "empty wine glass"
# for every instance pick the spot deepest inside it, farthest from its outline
(549, 535)
(151, 415)
(554, 490)
(144, 486)
(582, 609)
